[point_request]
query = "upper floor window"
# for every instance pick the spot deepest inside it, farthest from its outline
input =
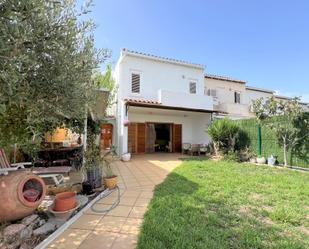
(237, 97)
(135, 83)
(211, 92)
(192, 87)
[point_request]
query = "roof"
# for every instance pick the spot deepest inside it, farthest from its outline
(218, 77)
(158, 105)
(126, 51)
(260, 89)
(142, 101)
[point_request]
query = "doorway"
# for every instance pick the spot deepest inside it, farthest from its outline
(106, 136)
(154, 137)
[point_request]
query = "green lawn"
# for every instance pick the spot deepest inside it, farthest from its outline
(208, 204)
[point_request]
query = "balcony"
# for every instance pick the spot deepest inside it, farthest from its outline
(185, 100)
(233, 109)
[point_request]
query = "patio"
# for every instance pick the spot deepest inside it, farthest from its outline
(119, 227)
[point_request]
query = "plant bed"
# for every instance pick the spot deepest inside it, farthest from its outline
(32, 230)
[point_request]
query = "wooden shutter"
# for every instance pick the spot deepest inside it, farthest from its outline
(132, 142)
(141, 138)
(177, 137)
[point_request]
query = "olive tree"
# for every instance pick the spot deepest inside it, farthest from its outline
(47, 58)
(285, 121)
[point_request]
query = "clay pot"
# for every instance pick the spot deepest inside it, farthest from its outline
(16, 201)
(261, 160)
(111, 182)
(65, 201)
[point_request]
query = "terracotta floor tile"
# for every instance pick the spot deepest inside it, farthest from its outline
(125, 241)
(100, 207)
(86, 221)
(138, 212)
(146, 194)
(111, 199)
(110, 224)
(130, 193)
(142, 202)
(70, 239)
(99, 240)
(121, 211)
(132, 225)
(127, 201)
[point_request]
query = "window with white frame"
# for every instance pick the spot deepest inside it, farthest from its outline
(135, 83)
(237, 97)
(192, 87)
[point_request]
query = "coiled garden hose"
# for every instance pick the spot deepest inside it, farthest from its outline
(115, 204)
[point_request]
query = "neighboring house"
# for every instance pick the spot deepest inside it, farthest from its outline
(230, 96)
(161, 103)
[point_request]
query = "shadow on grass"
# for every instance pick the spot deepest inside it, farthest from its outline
(182, 215)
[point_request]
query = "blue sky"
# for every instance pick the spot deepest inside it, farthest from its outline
(263, 42)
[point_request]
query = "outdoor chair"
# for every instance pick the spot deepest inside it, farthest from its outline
(203, 149)
(195, 149)
(185, 148)
(6, 166)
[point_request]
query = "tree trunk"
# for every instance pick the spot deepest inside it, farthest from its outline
(285, 153)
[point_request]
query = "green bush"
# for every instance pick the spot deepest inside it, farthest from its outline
(227, 136)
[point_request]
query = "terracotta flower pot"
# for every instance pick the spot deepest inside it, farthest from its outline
(65, 201)
(111, 182)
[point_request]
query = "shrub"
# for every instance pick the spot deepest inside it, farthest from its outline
(227, 136)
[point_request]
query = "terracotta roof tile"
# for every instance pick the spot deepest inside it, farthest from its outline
(161, 58)
(218, 77)
(142, 101)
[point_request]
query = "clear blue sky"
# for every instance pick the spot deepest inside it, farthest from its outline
(265, 42)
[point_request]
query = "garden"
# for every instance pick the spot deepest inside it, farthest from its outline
(219, 204)
(51, 163)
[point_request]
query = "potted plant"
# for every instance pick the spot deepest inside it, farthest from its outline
(93, 166)
(110, 179)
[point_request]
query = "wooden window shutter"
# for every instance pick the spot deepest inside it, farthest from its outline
(177, 137)
(132, 140)
(141, 138)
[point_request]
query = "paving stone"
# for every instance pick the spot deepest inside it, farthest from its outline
(45, 229)
(13, 232)
(30, 219)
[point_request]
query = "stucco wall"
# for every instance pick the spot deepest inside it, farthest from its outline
(157, 75)
(226, 89)
(193, 124)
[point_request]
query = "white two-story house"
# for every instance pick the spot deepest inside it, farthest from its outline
(160, 104)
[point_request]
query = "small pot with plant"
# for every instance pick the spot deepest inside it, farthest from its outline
(93, 166)
(110, 179)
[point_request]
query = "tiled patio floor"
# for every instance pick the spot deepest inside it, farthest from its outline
(119, 228)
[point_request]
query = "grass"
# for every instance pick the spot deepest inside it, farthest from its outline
(208, 204)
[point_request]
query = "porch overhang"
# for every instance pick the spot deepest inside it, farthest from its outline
(158, 105)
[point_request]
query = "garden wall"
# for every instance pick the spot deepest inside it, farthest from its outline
(270, 145)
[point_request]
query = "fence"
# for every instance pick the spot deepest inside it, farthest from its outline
(270, 144)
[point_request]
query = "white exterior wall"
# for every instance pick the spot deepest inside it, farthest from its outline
(194, 125)
(156, 75)
(225, 100)
(165, 82)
